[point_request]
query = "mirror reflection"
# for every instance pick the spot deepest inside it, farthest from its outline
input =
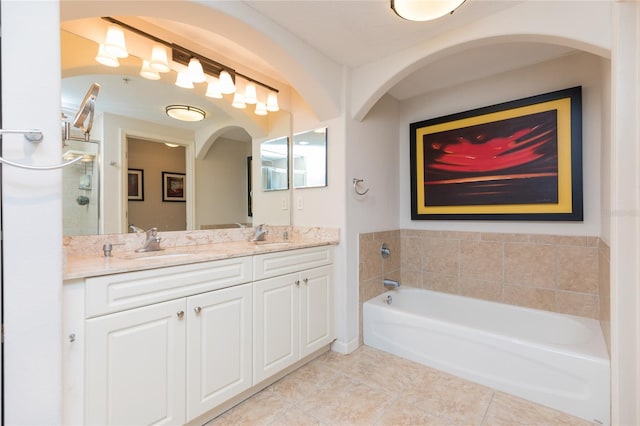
(131, 108)
(310, 158)
(274, 164)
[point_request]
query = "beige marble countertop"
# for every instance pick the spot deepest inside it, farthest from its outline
(83, 263)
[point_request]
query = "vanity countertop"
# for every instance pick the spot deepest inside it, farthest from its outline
(81, 265)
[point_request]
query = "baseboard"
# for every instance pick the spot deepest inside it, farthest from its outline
(345, 348)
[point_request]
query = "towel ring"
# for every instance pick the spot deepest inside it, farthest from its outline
(356, 181)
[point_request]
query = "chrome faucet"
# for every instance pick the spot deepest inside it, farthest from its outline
(260, 233)
(136, 229)
(390, 283)
(152, 242)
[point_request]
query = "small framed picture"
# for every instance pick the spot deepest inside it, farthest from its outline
(135, 187)
(173, 187)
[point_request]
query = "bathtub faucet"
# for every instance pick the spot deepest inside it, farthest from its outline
(390, 283)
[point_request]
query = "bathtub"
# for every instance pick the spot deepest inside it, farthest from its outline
(556, 360)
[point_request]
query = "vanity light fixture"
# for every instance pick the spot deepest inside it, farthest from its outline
(238, 101)
(213, 88)
(147, 72)
(185, 112)
(159, 61)
(114, 44)
(196, 74)
(184, 80)
(106, 59)
(200, 68)
(424, 10)
(261, 109)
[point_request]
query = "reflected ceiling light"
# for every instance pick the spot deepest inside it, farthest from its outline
(196, 73)
(213, 88)
(106, 59)
(185, 112)
(424, 10)
(238, 101)
(250, 95)
(114, 42)
(226, 83)
(261, 109)
(147, 72)
(159, 61)
(171, 145)
(272, 102)
(184, 80)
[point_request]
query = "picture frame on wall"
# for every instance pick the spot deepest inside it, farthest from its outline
(518, 160)
(173, 187)
(135, 185)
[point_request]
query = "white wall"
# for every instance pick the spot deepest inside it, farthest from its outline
(31, 215)
(581, 69)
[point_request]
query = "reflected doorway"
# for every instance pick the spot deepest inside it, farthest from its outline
(156, 185)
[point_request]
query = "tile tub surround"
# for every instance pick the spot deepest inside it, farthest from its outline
(549, 272)
(84, 256)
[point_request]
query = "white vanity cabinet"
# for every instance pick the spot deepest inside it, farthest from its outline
(293, 307)
(176, 344)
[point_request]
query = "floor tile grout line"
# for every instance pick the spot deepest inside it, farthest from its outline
(486, 412)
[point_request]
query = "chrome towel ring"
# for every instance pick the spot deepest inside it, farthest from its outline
(356, 181)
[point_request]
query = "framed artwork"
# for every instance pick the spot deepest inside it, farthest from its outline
(135, 187)
(173, 186)
(519, 160)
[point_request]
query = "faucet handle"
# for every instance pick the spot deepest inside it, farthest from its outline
(152, 232)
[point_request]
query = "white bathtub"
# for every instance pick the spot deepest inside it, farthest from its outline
(556, 360)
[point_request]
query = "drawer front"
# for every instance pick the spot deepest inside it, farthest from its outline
(113, 293)
(284, 262)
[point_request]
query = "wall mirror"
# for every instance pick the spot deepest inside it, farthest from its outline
(274, 164)
(310, 158)
(131, 106)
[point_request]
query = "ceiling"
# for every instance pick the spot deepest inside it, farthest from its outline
(352, 33)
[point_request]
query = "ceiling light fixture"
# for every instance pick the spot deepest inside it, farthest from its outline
(106, 59)
(195, 71)
(185, 112)
(184, 80)
(250, 95)
(213, 88)
(424, 10)
(227, 86)
(238, 101)
(261, 109)
(159, 61)
(272, 102)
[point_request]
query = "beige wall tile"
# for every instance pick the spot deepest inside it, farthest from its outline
(411, 278)
(481, 260)
(366, 237)
(531, 265)
(440, 256)
(581, 304)
(386, 235)
(461, 235)
(487, 290)
(370, 260)
(514, 238)
(578, 269)
(440, 282)
(563, 240)
(537, 298)
(411, 254)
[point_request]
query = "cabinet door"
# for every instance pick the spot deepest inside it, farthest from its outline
(218, 347)
(135, 366)
(316, 309)
(275, 325)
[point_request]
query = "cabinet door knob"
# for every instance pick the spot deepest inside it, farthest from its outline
(298, 283)
(180, 314)
(306, 280)
(197, 309)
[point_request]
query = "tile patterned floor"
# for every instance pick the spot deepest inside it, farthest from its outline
(371, 387)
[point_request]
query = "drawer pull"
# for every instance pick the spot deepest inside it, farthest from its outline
(197, 309)
(306, 280)
(298, 283)
(180, 314)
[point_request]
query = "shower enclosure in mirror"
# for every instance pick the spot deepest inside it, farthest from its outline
(310, 158)
(81, 188)
(274, 160)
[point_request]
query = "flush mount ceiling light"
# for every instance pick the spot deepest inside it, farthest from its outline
(424, 10)
(185, 112)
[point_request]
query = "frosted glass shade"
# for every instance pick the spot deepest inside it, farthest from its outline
(421, 10)
(226, 83)
(185, 112)
(147, 72)
(261, 109)
(184, 80)
(196, 74)
(213, 89)
(159, 61)
(105, 59)
(114, 42)
(250, 95)
(238, 101)
(272, 102)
